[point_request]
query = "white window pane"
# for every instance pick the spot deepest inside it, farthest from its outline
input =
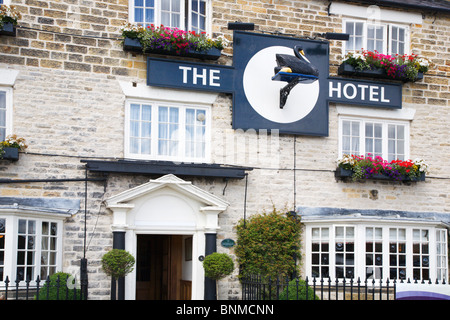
(165, 5)
(355, 128)
(2, 120)
(358, 43)
(176, 5)
(145, 146)
(394, 35)
(391, 131)
(134, 145)
(135, 111)
(190, 116)
(163, 114)
(149, 16)
(174, 115)
(350, 28)
(2, 99)
(163, 132)
(371, 32)
(175, 21)
(401, 34)
(145, 130)
(346, 128)
(202, 23)
(139, 15)
(379, 32)
(378, 147)
(315, 233)
(146, 113)
(369, 130)
(401, 48)
(134, 129)
(358, 28)
(378, 129)
(165, 19)
(201, 115)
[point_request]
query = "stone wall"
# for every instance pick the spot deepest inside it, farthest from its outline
(69, 106)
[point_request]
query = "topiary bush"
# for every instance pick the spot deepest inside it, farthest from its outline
(218, 265)
(268, 244)
(117, 263)
(59, 290)
(298, 291)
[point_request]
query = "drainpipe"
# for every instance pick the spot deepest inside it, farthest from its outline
(210, 285)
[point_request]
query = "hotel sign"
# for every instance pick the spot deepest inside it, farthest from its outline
(265, 99)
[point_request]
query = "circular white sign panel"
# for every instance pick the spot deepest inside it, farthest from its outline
(263, 93)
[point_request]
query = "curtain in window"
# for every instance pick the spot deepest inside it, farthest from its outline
(2, 115)
(168, 134)
(171, 13)
(198, 15)
(356, 31)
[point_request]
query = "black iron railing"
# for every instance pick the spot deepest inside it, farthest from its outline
(255, 287)
(50, 289)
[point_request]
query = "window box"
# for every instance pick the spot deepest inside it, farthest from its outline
(8, 29)
(378, 73)
(345, 175)
(10, 154)
(134, 45)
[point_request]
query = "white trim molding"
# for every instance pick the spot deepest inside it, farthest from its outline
(375, 13)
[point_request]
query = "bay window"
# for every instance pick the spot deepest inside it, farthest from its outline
(167, 131)
(29, 247)
(186, 15)
(376, 250)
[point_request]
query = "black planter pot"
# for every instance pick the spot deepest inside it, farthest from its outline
(346, 69)
(8, 29)
(344, 174)
(134, 45)
(10, 154)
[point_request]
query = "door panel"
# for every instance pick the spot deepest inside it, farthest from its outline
(159, 267)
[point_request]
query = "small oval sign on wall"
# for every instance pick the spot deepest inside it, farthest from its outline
(228, 243)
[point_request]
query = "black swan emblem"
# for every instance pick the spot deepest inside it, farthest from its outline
(293, 69)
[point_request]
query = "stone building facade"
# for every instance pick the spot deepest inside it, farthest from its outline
(68, 87)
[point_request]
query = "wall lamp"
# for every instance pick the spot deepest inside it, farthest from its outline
(241, 26)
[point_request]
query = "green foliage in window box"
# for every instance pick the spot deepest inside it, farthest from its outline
(218, 265)
(397, 67)
(8, 14)
(269, 244)
(171, 41)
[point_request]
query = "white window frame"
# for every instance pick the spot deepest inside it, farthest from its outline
(385, 123)
(11, 242)
(154, 131)
(407, 48)
(186, 14)
(387, 35)
(8, 111)
(360, 246)
(6, 2)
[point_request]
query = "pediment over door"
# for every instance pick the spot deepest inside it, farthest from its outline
(166, 204)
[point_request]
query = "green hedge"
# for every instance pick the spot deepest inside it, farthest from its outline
(268, 243)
